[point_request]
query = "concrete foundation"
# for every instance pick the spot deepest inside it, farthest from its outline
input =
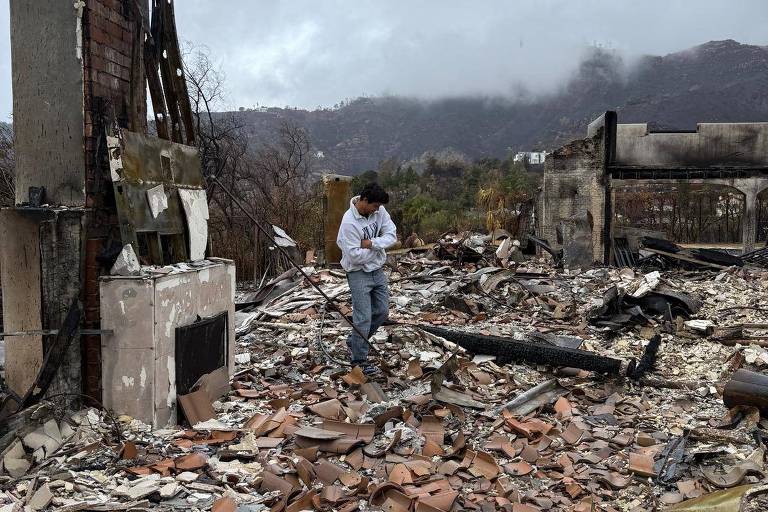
(138, 366)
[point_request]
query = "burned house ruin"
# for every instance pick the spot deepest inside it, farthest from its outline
(577, 202)
(94, 187)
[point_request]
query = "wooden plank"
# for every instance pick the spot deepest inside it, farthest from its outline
(683, 257)
(22, 309)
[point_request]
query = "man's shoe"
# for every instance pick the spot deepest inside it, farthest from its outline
(370, 370)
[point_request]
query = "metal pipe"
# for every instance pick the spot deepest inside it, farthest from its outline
(54, 332)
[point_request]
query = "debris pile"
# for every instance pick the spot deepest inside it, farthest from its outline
(503, 388)
(666, 253)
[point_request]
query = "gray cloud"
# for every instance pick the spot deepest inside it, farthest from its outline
(308, 53)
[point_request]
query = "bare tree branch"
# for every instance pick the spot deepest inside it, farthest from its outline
(7, 166)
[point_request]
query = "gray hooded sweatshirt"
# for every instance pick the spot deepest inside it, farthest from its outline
(377, 227)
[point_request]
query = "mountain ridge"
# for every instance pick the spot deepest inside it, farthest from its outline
(718, 81)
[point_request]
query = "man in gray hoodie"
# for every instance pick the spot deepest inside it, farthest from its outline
(366, 231)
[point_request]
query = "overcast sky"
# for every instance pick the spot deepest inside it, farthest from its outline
(309, 52)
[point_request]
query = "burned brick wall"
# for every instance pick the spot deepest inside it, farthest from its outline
(114, 78)
(114, 97)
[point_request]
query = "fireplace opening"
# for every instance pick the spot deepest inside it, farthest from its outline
(200, 348)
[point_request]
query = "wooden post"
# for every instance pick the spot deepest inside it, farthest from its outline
(256, 273)
(337, 194)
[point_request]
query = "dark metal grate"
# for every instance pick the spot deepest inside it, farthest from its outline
(200, 349)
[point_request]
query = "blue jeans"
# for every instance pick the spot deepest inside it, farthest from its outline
(370, 309)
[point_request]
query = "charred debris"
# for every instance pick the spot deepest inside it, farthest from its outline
(611, 371)
(509, 384)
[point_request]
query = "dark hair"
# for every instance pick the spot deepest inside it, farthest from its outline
(373, 193)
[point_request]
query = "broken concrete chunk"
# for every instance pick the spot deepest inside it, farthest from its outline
(169, 490)
(187, 477)
(46, 439)
(702, 327)
(243, 358)
(158, 201)
(66, 430)
(504, 249)
(246, 444)
(140, 488)
(41, 499)
(15, 461)
(195, 206)
(127, 263)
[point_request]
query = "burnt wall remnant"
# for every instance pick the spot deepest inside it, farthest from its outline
(573, 202)
(77, 69)
(574, 206)
(92, 184)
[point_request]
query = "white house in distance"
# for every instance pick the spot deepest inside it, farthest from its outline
(532, 157)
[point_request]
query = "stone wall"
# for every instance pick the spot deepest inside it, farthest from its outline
(572, 203)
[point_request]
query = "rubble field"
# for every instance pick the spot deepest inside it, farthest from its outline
(445, 427)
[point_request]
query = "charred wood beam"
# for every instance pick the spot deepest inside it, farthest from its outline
(54, 357)
(758, 257)
(178, 80)
(647, 361)
(159, 29)
(747, 388)
(138, 100)
(507, 350)
(165, 77)
(151, 64)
